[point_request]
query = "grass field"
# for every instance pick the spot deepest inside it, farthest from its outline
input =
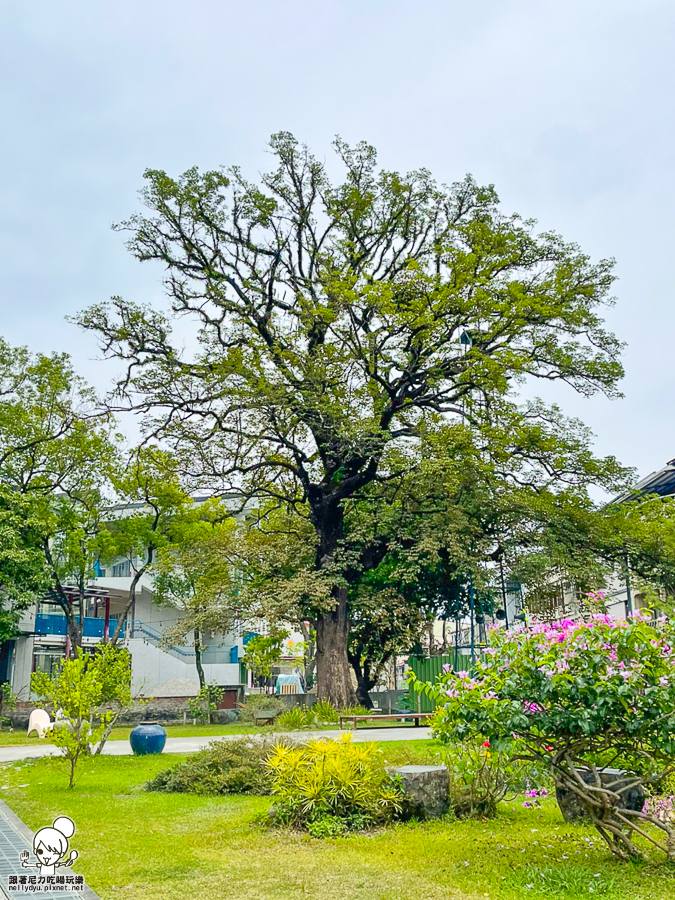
(19, 738)
(136, 845)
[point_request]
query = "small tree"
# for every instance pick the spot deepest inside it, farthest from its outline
(56, 455)
(77, 692)
(578, 696)
(113, 666)
(264, 652)
(155, 508)
(194, 574)
(205, 702)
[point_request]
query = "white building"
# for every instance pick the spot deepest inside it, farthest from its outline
(158, 671)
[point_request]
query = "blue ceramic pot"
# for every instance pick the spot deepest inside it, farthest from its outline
(148, 737)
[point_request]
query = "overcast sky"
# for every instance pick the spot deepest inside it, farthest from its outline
(566, 107)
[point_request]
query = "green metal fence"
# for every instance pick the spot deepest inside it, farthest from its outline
(428, 668)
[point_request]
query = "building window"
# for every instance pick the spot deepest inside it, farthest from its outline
(121, 570)
(48, 661)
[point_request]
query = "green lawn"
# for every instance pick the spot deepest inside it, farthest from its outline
(19, 738)
(139, 845)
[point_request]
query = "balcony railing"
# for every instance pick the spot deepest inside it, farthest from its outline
(215, 656)
(49, 623)
(54, 624)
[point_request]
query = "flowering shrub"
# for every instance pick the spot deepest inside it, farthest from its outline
(663, 807)
(570, 693)
(481, 777)
(533, 797)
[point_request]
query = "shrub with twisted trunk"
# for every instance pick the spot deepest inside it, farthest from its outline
(583, 697)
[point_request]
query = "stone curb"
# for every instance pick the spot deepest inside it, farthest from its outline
(27, 834)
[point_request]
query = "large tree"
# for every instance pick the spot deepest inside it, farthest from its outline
(335, 321)
(467, 504)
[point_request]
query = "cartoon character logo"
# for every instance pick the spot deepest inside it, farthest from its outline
(50, 846)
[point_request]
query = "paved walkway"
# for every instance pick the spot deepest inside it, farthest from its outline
(16, 837)
(192, 744)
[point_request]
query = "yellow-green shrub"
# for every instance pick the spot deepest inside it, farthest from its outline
(322, 713)
(336, 779)
(297, 717)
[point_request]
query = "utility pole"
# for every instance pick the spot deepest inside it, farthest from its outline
(473, 621)
(629, 594)
(503, 580)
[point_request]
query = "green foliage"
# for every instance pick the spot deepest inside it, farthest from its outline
(354, 711)
(205, 701)
(7, 701)
(7, 697)
(481, 778)
(330, 827)
(295, 718)
(601, 685)
(300, 716)
(255, 702)
(224, 767)
(341, 325)
(56, 456)
(194, 573)
(338, 779)
(24, 576)
(113, 668)
(77, 692)
(160, 513)
(263, 652)
(320, 714)
(325, 713)
(570, 692)
(62, 470)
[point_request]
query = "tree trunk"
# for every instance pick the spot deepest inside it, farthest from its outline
(73, 627)
(132, 596)
(108, 730)
(74, 631)
(363, 687)
(310, 654)
(333, 672)
(198, 658)
(364, 680)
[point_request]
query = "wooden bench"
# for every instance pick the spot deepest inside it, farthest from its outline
(416, 716)
(265, 716)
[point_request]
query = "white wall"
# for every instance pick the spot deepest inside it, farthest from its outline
(152, 667)
(160, 617)
(22, 666)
